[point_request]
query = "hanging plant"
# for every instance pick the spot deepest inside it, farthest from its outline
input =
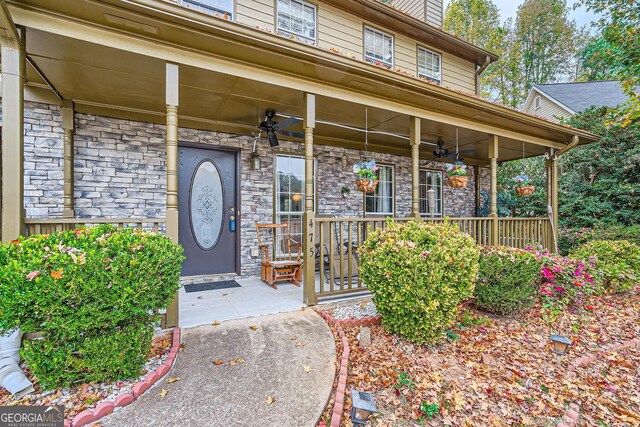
(523, 185)
(366, 177)
(457, 173)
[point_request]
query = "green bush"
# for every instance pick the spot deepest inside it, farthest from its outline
(92, 292)
(418, 273)
(570, 239)
(618, 260)
(507, 280)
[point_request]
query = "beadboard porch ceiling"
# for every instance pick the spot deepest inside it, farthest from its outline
(121, 83)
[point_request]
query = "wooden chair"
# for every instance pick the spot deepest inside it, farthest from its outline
(278, 267)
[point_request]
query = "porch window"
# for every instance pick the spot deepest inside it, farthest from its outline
(380, 202)
(212, 7)
(430, 180)
(378, 47)
(429, 64)
(290, 192)
(297, 19)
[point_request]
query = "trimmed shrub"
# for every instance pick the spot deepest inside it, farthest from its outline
(618, 260)
(507, 280)
(92, 292)
(418, 273)
(570, 239)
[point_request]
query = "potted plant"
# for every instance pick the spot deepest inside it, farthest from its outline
(523, 185)
(457, 173)
(366, 178)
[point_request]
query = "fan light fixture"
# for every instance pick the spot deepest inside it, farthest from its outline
(272, 138)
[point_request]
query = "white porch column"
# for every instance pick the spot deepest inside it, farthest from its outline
(172, 173)
(308, 227)
(12, 139)
(414, 135)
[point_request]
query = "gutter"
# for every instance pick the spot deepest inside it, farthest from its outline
(487, 62)
(11, 376)
(575, 140)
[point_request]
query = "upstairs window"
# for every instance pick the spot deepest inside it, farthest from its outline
(536, 102)
(212, 7)
(297, 20)
(429, 65)
(378, 47)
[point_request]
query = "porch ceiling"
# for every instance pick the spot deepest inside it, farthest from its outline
(114, 82)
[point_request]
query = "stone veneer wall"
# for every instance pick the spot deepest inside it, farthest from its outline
(120, 172)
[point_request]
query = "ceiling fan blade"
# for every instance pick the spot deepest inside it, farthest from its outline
(291, 134)
(288, 122)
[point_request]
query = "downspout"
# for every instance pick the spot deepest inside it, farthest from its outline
(11, 376)
(554, 156)
(479, 71)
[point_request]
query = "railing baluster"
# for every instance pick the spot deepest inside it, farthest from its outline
(349, 256)
(331, 256)
(359, 238)
(341, 254)
(321, 253)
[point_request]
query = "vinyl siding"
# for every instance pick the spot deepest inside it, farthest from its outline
(458, 73)
(256, 13)
(414, 8)
(548, 109)
(434, 12)
(340, 30)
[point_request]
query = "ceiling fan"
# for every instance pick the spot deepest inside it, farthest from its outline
(442, 153)
(273, 128)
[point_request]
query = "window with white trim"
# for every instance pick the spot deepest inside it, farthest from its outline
(429, 64)
(430, 179)
(536, 102)
(212, 7)
(380, 202)
(378, 47)
(290, 193)
(296, 19)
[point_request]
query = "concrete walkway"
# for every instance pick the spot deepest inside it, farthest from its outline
(277, 356)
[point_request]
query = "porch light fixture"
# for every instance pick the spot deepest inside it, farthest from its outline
(254, 158)
(362, 407)
(344, 162)
(560, 344)
(296, 197)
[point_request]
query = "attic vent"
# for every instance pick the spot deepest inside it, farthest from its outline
(536, 102)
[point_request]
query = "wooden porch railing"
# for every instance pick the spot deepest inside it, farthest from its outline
(336, 259)
(47, 226)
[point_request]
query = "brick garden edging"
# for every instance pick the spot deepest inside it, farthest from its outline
(89, 416)
(341, 388)
(571, 417)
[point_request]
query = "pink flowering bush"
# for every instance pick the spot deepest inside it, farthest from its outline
(565, 282)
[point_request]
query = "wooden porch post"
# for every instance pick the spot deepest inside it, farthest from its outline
(308, 227)
(67, 126)
(13, 57)
(171, 318)
(415, 166)
(553, 175)
(477, 192)
(493, 207)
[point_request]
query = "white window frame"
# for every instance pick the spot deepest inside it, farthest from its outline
(536, 102)
(375, 193)
(439, 206)
(375, 32)
(301, 37)
(422, 68)
(210, 7)
(276, 192)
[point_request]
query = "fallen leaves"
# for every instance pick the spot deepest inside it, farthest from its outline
(173, 380)
(163, 393)
(307, 368)
(218, 362)
(57, 274)
(236, 361)
(253, 327)
(300, 344)
(215, 323)
(269, 400)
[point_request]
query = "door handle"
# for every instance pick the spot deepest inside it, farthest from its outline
(232, 223)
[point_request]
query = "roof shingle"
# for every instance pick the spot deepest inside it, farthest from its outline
(582, 95)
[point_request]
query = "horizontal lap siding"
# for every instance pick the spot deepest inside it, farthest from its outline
(434, 12)
(414, 8)
(458, 73)
(256, 13)
(405, 54)
(339, 30)
(548, 109)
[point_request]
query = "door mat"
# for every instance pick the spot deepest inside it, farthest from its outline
(211, 286)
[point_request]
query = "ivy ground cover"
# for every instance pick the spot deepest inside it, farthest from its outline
(501, 371)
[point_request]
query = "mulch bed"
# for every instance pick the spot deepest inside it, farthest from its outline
(504, 373)
(87, 396)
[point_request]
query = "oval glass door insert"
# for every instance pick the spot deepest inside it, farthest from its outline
(206, 205)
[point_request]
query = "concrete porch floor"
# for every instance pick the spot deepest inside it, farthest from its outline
(252, 298)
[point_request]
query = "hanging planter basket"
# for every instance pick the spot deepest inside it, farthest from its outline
(366, 185)
(457, 181)
(525, 190)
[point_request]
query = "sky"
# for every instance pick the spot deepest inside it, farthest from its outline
(509, 8)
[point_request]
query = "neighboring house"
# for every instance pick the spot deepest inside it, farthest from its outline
(559, 101)
(146, 112)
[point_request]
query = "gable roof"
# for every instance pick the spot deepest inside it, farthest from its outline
(580, 96)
